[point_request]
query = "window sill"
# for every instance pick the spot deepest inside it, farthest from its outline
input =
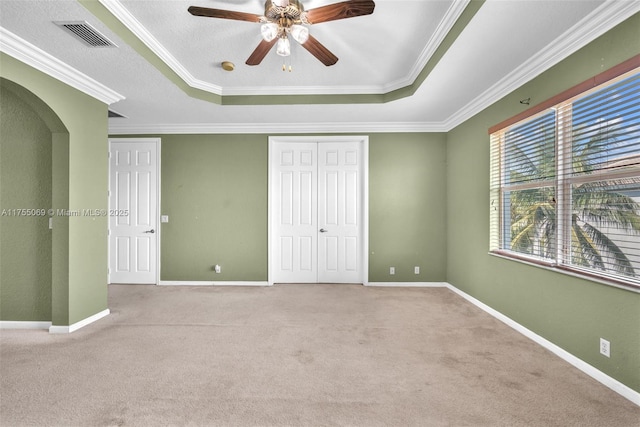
(567, 271)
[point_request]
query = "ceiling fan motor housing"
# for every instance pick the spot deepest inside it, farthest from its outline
(291, 10)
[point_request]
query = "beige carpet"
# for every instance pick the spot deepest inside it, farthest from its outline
(295, 355)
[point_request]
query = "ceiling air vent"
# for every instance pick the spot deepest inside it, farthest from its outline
(114, 115)
(86, 33)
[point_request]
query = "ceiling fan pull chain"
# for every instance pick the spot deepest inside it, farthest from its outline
(284, 63)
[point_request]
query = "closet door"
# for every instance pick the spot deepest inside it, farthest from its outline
(294, 212)
(339, 213)
(316, 212)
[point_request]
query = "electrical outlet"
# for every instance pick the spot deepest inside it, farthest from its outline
(416, 270)
(605, 347)
(392, 270)
(217, 268)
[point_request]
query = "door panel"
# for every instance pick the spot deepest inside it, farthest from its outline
(133, 212)
(339, 212)
(294, 212)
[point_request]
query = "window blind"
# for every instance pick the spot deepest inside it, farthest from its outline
(565, 183)
(523, 187)
(530, 148)
(602, 179)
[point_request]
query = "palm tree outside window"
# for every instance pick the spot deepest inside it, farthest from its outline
(565, 184)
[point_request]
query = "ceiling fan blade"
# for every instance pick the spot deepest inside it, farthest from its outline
(224, 14)
(261, 51)
(318, 50)
(345, 9)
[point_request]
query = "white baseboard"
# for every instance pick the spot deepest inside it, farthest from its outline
(183, 283)
(72, 328)
(11, 324)
(593, 372)
(207, 283)
(409, 284)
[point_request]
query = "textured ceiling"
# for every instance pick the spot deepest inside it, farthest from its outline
(376, 52)
(410, 66)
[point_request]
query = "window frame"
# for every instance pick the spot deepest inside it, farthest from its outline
(562, 182)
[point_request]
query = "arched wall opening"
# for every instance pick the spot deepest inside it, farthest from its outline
(33, 139)
(76, 126)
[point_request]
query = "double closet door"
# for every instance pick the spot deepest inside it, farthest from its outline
(317, 212)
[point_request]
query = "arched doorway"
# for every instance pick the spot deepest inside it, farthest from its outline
(33, 139)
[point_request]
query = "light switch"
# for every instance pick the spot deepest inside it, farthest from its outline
(164, 218)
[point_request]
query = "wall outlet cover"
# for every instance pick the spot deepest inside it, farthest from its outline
(605, 347)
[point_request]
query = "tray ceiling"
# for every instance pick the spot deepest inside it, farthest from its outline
(410, 66)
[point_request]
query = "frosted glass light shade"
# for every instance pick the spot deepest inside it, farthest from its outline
(300, 33)
(269, 31)
(284, 47)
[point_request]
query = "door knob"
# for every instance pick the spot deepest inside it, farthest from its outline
(150, 231)
(322, 230)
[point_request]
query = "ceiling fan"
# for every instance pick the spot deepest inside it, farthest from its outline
(284, 18)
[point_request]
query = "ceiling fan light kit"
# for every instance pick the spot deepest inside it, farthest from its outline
(269, 31)
(284, 47)
(299, 33)
(284, 18)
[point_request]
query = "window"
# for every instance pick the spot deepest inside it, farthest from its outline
(565, 183)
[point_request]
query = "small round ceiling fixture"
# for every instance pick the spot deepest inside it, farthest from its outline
(228, 66)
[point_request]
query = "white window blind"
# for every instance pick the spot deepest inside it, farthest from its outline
(565, 184)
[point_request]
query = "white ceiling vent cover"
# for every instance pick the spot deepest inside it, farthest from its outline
(85, 32)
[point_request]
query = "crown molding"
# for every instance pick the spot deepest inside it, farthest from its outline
(598, 22)
(274, 128)
(128, 20)
(35, 57)
(444, 27)
(301, 90)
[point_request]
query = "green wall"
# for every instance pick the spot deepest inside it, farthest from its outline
(25, 182)
(570, 312)
(214, 190)
(79, 180)
(407, 207)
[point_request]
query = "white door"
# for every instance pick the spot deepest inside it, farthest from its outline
(339, 213)
(316, 212)
(133, 232)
